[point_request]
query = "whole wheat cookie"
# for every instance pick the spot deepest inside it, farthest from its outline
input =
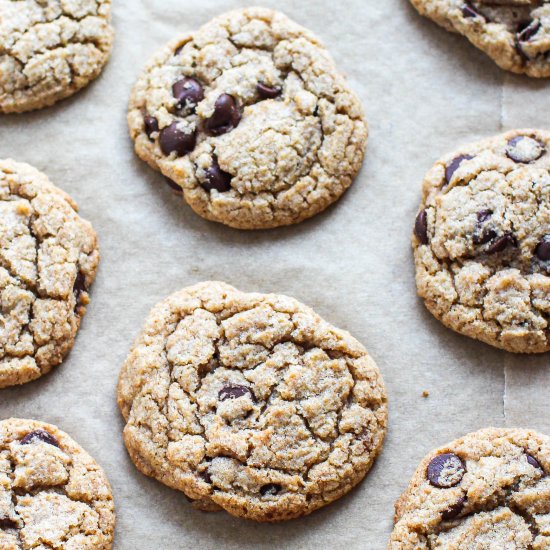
(52, 493)
(49, 49)
(251, 119)
(489, 490)
(482, 241)
(514, 33)
(250, 403)
(48, 260)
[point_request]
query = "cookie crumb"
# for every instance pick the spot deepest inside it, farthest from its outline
(425, 393)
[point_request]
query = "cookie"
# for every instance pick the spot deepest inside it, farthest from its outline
(50, 49)
(487, 490)
(250, 403)
(514, 33)
(251, 119)
(482, 241)
(48, 260)
(52, 492)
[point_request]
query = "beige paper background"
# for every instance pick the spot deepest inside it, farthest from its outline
(425, 92)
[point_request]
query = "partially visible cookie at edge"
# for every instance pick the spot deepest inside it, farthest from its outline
(489, 489)
(49, 50)
(52, 493)
(251, 119)
(250, 403)
(514, 33)
(48, 261)
(482, 241)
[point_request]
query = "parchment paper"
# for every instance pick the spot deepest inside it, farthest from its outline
(426, 92)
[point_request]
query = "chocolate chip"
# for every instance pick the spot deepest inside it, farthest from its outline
(234, 391)
(529, 30)
(173, 185)
(79, 285)
(421, 227)
(39, 435)
(524, 149)
(485, 236)
(268, 92)
(534, 462)
(469, 11)
(206, 476)
(216, 178)
(484, 215)
(226, 116)
(543, 248)
(454, 510)
(453, 166)
(446, 470)
(7, 523)
(501, 243)
(271, 489)
(177, 51)
(189, 93)
(151, 125)
(172, 139)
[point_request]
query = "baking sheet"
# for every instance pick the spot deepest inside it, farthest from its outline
(425, 92)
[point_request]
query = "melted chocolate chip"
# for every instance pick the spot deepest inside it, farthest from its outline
(226, 116)
(151, 125)
(189, 93)
(529, 30)
(39, 435)
(234, 391)
(524, 149)
(501, 243)
(454, 510)
(446, 470)
(268, 92)
(216, 178)
(173, 185)
(271, 489)
(534, 462)
(543, 249)
(174, 140)
(453, 166)
(421, 227)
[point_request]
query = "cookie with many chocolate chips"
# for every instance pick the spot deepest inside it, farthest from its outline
(514, 33)
(52, 493)
(49, 49)
(48, 261)
(488, 490)
(250, 117)
(250, 403)
(482, 241)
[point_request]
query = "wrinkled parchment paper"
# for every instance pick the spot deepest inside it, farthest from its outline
(426, 92)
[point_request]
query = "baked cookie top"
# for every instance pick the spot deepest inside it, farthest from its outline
(48, 260)
(250, 403)
(49, 49)
(482, 241)
(487, 490)
(52, 493)
(514, 33)
(250, 117)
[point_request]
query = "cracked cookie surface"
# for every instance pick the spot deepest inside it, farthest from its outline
(49, 49)
(482, 241)
(48, 261)
(250, 403)
(487, 490)
(52, 493)
(251, 119)
(514, 33)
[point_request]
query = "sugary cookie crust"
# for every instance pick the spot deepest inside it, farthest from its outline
(251, 403)
(295, 135)
(482, 241)
(52, 493)
(48, 260)
(514, 33)
(49, 49)
(494, 492)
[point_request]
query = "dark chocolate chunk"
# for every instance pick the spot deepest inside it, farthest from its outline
(172, 139)
(445, 470)
(79, 285)
(453, 166)
(421, 227)
(534, 462)
(271, 489)
(189, 93)
(226, 116)
(216, 178)
(234, 391)
(453, 511)
(543, 248)
(268, 92)
(529, 30)
(173, 185)
(39, 435)
(151, 125)
(501, 243)
(524, 149)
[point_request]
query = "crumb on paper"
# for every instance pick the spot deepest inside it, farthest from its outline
(425, 393)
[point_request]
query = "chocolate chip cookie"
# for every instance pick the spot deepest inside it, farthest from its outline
(50, 49)
(488, 490)
(250, 403)
(514, 33)
(482, 241)
(52, 493)
(48, 260)
(251, 119)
